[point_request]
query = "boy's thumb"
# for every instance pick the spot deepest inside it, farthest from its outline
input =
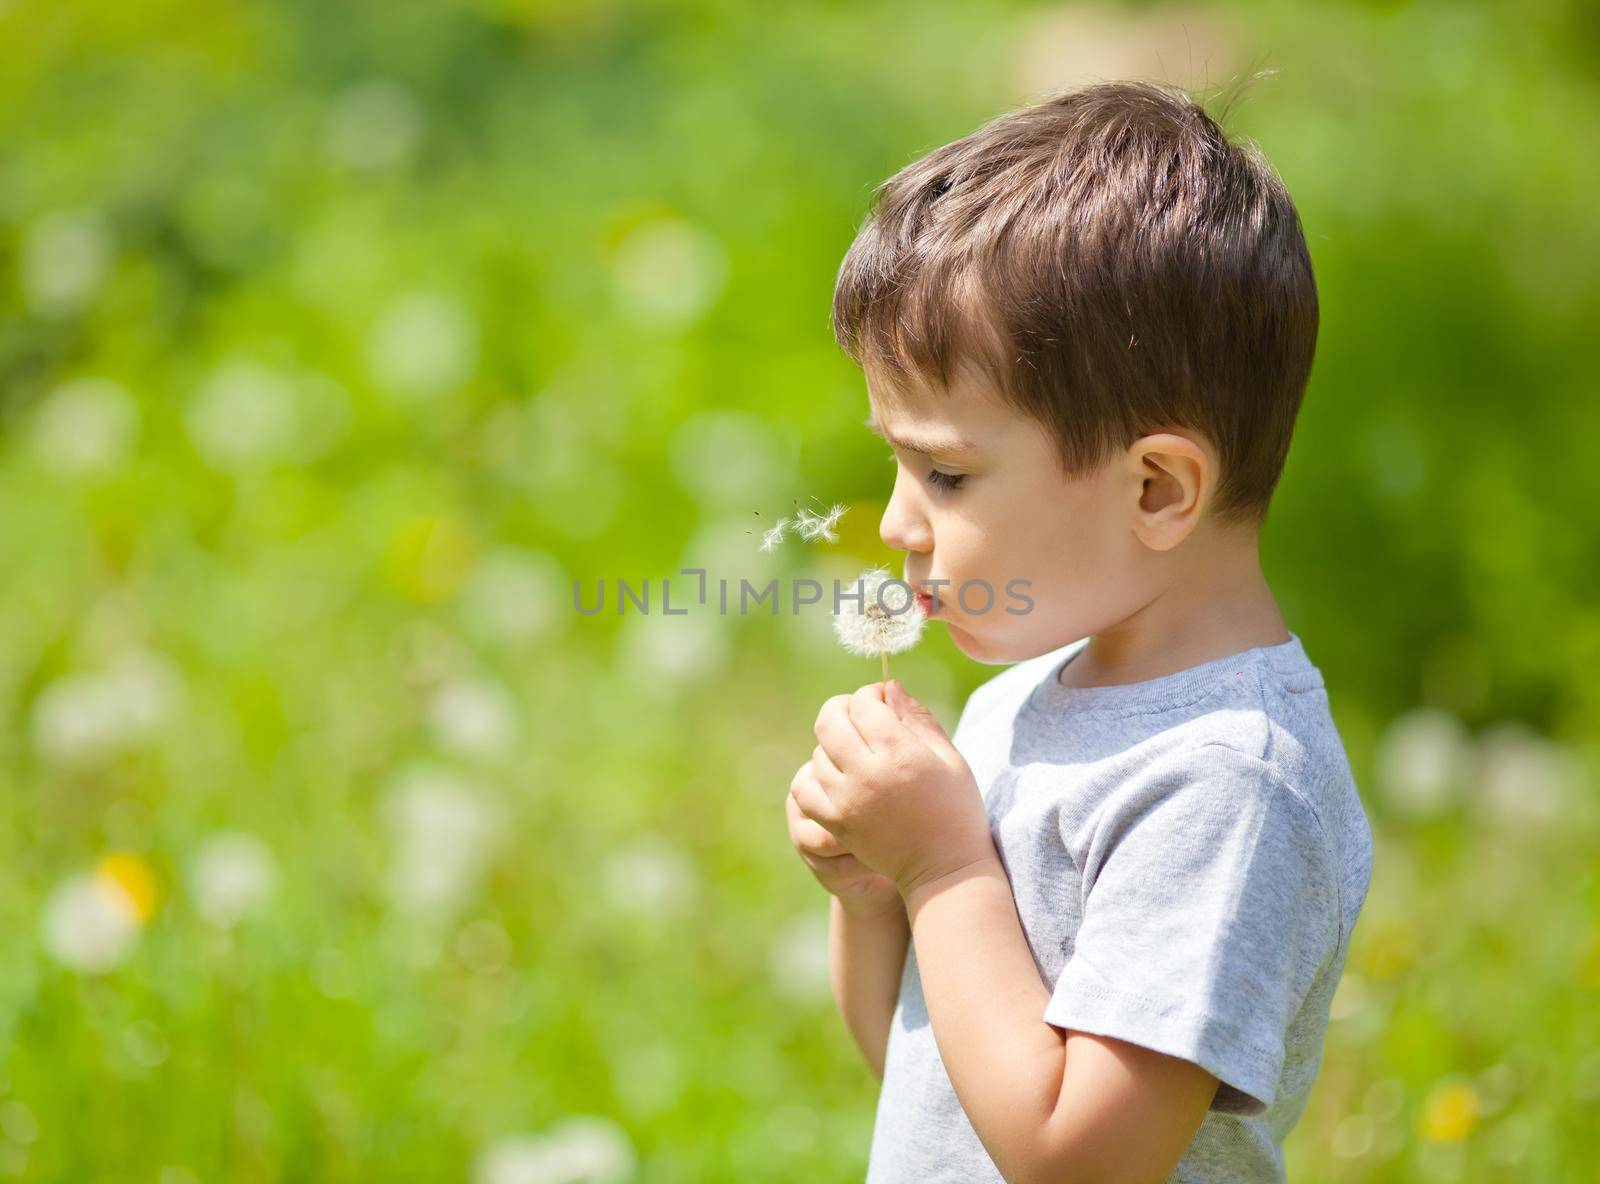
(913, 714)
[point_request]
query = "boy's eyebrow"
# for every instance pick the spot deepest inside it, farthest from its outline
(924, 445)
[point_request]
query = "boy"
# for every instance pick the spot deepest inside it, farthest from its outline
(1094, 935)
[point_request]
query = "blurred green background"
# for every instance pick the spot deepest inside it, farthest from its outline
(338, 339)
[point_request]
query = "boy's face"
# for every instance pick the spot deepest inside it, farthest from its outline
(1013, 516)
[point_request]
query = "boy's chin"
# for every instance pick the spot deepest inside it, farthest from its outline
(987, 651)
(966, 642)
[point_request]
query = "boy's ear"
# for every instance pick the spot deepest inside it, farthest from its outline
(1176, 475)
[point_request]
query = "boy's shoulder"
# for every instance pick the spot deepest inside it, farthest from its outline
(1012, 684)
(1267, 705)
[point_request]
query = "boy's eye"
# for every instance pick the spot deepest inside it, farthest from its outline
(944, 482)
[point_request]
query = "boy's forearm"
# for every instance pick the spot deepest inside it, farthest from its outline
(986, 1003)
(866, 957)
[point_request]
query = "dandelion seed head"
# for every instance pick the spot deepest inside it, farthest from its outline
(886, 621)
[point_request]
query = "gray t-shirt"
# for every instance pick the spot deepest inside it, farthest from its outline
(1188, 856)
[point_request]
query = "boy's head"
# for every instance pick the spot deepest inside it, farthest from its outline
(1116, 304)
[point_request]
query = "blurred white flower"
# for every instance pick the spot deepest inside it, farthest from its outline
(66, 256)
(1523, 777)
(1423, 761)
(669, 272)
(85, 427)
(584, 1149)
(1354, 1136)
(425, 344)
(444, 832)
(877, 615)
(517, 595)
(659, 652)
(230, 877)
(90, 923)
(83, 718)
(725, 458)
(375, 124)
(798, 958)
(721, 546)
(1350, 996)
(473, 717)
(650, 878)
(243, 415)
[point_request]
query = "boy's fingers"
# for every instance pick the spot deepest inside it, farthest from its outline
(873, 718)
(822, 766)
(815, 839)
(915, 717)
(838, 736)
(805, 833)
(895, 696)
(811, 801)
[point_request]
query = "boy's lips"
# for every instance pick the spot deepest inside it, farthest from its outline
(926, 602)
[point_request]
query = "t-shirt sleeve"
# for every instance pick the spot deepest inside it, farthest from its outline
(1210, 902)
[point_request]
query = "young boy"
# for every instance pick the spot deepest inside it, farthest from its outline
(1094, 935)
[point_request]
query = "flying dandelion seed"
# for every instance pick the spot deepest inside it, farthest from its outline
(774, 536)
(809, 524)
(886, 621)
(820, 526)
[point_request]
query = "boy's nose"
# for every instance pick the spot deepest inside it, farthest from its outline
(903, 527)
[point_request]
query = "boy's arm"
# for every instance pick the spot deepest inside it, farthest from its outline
(1047, 1106)
(866, 957)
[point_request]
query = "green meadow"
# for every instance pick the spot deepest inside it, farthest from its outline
(337, 341)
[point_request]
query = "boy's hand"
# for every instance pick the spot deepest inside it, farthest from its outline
(889, 785)
(861, 891)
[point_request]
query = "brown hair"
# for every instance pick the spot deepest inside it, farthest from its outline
(1114, 264)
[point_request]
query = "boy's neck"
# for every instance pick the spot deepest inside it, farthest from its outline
(1205, 611)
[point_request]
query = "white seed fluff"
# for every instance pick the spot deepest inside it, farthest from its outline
(871, 628)
(774, 536)
(814, 526)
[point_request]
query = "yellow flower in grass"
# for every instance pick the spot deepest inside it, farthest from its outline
(1451, 1112)
(92, 920)
(134, 878)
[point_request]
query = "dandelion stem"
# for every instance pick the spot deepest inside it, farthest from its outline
(885, 658)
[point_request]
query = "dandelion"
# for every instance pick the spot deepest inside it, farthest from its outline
(1424, 759)
(445, 832)
(797, 958)
(86, 427)
(93, 919)
(230, 877)
(244, 415)
(424, 345)
(474, 717)
(580, 1149)
(814, 526)
(884, 620)
(650, 878)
